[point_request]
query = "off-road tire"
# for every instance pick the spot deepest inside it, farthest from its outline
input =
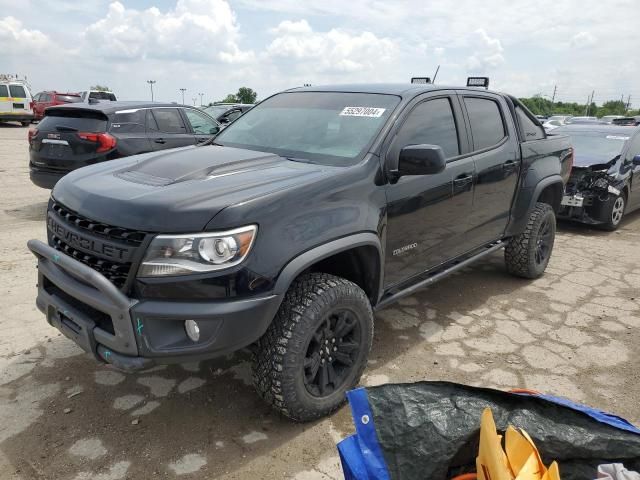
(611, 224)
(520, 252)
(278, 357)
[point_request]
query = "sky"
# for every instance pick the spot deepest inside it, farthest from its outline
(216, 46)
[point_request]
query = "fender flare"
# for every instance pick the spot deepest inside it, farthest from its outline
(542, 184)
(303, 261)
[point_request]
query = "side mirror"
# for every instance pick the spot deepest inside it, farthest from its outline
(636, 160)
(223, 120)
(421, 160)
(214, 130)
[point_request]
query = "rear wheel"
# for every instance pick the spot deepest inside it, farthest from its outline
(316, 348)
(25, 124)
(527, 255)
(614, 208)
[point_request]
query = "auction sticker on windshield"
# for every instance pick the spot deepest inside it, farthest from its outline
(362, 112)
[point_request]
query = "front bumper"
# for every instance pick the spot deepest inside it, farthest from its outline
(135, 334)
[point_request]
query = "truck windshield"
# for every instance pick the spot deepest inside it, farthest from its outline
(332, 128)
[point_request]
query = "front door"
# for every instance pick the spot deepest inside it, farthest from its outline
(166, 129)
(203, 126)
(633, 150)
(427, 214)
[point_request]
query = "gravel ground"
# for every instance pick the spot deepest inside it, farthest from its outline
(574, 332)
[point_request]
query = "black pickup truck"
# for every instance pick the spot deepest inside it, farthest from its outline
(311, 211)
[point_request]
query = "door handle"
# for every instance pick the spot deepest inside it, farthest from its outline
(202, 140)
(160, 140)
(462, 180)
(509, 166)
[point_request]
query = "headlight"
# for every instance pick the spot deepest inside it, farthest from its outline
(199, 252)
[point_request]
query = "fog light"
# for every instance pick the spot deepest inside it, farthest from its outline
(192, 329)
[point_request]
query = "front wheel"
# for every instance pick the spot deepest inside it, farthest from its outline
(25, 124)
(316, 348)
(527, 255)
(614, 208)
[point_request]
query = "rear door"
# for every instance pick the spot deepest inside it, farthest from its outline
(203, 126)
(496, 155)
(129, 128)
(20, 99)
(166, 128)
(58, 144)
(427, 214)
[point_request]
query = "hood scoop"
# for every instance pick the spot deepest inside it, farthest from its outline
(143, 178)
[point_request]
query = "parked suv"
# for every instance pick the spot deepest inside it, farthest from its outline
(73, 136)
(43, 100)
(15, 102)
(308, 213)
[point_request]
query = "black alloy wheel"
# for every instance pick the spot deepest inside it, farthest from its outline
(331, 353)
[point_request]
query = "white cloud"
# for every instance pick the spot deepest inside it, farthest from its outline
(583, 39)
(291, 27)
(488, 53)
(332, 51)
(195, 30)
(15, 39)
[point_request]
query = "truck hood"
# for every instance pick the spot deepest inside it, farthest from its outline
(180, 190)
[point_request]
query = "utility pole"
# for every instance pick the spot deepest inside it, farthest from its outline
(201, 95)
(151, 82)
(183, 90)
(194, 100)
(628, 104)
(553, 99)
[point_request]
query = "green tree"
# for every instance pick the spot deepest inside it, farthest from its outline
(246, 95)
(231, 98)
(100, 88)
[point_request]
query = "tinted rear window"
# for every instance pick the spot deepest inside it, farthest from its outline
(4, 91)
(487, 127)
(128, 122)
(83, 121)
(17, 91)
(68, 98)
(169, 120)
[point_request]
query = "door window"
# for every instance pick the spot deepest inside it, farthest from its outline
(634, 148)
(487, 126)
(169, 120)
(17, 91)
(201, 124)
(530, 131)
(4, 91)
(431, 122)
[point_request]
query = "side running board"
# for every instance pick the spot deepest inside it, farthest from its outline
(439, 274)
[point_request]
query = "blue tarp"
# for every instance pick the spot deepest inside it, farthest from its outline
(373, 452)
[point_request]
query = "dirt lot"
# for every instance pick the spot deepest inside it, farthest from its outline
(575, 332)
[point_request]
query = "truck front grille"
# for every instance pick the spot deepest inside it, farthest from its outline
(116, 272)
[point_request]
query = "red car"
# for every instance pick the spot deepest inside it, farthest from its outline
(47, 99)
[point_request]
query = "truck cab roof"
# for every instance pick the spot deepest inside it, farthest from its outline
(400, 89)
